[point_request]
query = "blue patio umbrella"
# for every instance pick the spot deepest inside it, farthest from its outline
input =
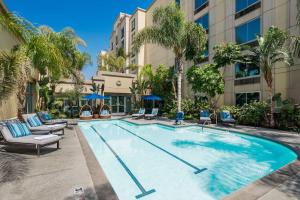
(95, 96)
(152, 98)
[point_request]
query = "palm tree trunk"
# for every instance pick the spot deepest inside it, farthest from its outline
(179, 67)
(272, 121)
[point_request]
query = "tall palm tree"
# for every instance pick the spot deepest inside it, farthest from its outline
(170, 30)
(271, 50)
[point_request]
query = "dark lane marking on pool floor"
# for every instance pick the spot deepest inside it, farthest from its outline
(144, 192)
(164, 150)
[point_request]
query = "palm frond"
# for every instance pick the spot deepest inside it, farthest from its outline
(9, 64)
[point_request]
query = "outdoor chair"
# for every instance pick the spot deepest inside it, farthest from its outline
(47, 119)
(105, 112)
(86, 114)
(35, 125)
(179, 117)
(140, 114)
(154, 114)
(204, 117)
(226, 118)
(15, 133)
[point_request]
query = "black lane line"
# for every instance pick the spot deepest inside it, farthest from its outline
(144, 192)
(167, 152)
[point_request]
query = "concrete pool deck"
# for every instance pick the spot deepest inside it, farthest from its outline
(56, 173)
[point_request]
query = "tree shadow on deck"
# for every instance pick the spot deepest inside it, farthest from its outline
(12, 166)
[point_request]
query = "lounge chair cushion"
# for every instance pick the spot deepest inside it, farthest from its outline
(142, 111)
(104, 112)
(205, 119)
(18, 129)
(204, 113)
(86, 113)
(34, 121)
(46, 116)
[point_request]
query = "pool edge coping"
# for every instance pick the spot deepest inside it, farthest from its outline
(97, 174)
(254, 190)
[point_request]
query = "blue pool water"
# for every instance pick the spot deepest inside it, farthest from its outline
(155, 162)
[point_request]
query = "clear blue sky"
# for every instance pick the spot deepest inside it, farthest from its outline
(91, 19)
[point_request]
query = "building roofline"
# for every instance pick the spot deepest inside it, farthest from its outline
(151, 4)
(138, 9)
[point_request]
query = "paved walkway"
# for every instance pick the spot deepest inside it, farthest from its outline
(52, 176)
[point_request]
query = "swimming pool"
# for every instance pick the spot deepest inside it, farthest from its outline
(156, 162)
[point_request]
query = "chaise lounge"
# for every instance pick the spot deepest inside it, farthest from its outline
(46, 119)
(154, 114)
(140, 114)
(226, 118)
(204, 117)
(15, 133)
(35, 125)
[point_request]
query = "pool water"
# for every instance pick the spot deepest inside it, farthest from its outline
(156, 162)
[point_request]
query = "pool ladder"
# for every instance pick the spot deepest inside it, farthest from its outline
(206, 121)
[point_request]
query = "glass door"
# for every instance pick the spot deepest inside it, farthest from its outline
(114, 104)
(121, 104)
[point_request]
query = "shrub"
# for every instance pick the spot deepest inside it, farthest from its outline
(255, 114)
(289, 117)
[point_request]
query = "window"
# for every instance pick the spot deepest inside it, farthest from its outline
(122, 32)
(243, 98)
(199, 3)
(177, 2)
(133, 25)
(243, 4)
(247, 32)
(243, 70)
(112, 46)
(117, 40)
(132, 36)
(204, 21)
(122, 44)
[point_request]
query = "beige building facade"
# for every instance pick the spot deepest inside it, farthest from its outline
(8, 107)
(114, 85)
(237, 21)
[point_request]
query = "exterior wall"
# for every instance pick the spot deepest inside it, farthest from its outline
(222, 24)
(138, 18)
(115, 83)
(8, 107)
(154, 54)
(67, 85)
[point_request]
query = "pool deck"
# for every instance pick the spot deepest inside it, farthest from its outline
(56, 173)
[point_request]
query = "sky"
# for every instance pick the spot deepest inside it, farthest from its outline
(92, 20)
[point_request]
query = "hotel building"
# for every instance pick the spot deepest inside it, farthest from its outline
(237, 21)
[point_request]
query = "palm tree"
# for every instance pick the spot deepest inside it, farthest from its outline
(9, 63)
(271, 50)
(170, 30)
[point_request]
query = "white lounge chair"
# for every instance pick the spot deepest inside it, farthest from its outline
(36, 126)
(25, 137)
(154, 114)
(140, 114)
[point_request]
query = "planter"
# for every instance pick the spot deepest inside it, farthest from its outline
(96, 116)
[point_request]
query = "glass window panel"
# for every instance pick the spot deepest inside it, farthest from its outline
(199, 3)
(251, 97)
(240, 99)
(253, 29)
(204, 21)
(243, 4)
(243, 70)
(247, 32)
(177, 2)
(241, 34)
